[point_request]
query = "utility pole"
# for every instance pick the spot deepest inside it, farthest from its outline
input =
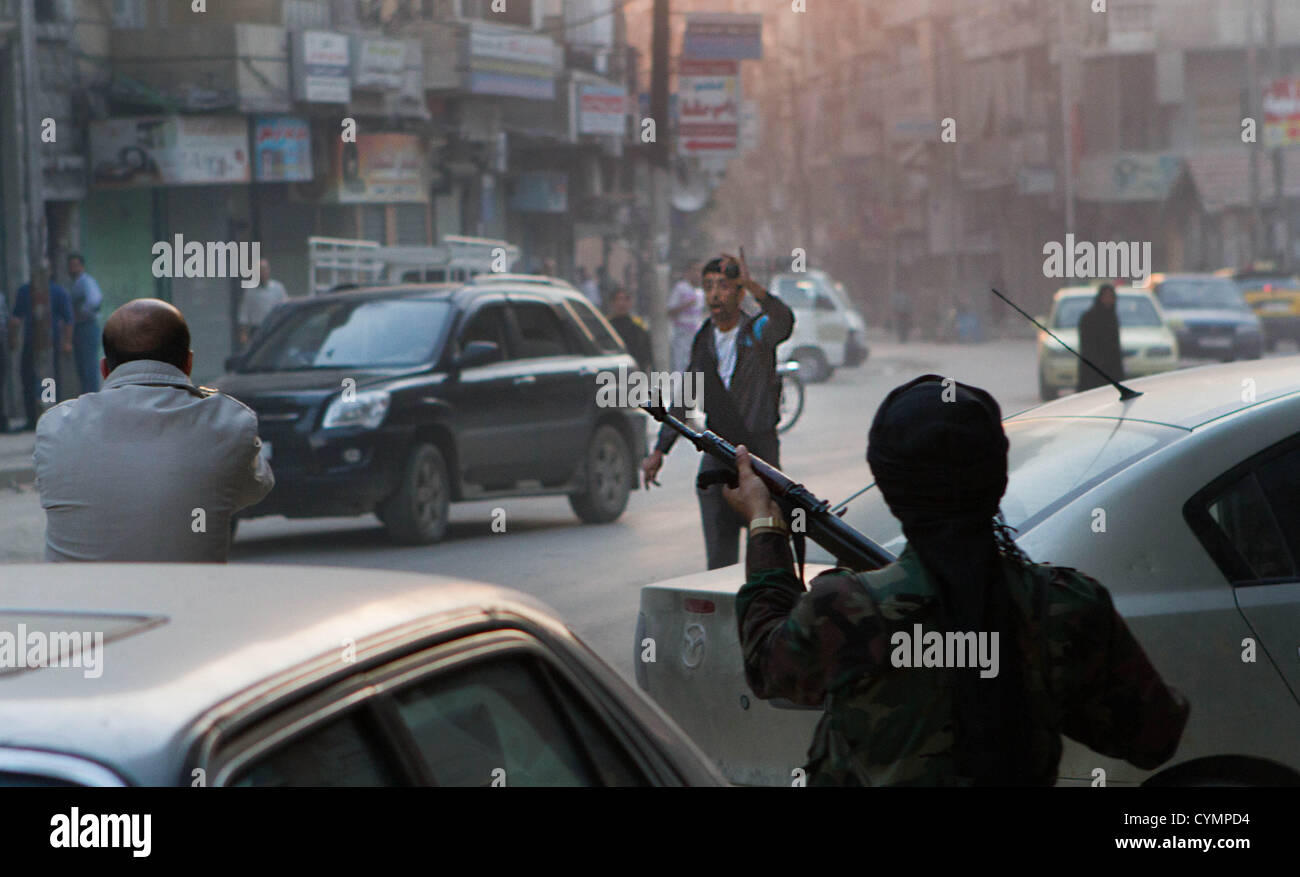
(1282, 216)
(1067, 115)
(29, 121)
(660, 182)
(1252, 83)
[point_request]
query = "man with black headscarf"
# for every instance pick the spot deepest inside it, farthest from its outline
(1064, 661)
(1099, 341)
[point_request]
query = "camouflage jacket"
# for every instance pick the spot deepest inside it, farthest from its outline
(831, 646)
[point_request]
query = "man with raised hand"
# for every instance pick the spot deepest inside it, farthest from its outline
(736, 353)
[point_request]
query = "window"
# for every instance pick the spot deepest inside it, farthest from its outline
(540, 332)
(379, 332)
(495, 716)
(1256, 519)
(487, 324)
(606, 341)
(345, 751)
(374, 222)
(1208, 293)
(411, 226)
(1134, 311)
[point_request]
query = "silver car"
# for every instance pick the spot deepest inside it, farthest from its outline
(1184, 502)
(191, 675)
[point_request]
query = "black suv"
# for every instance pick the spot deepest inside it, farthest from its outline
(400, 400)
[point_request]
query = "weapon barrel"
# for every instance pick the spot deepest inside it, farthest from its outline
(849, 547)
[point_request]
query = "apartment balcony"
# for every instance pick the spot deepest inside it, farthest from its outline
(1001, 26)
(1128, 27)
(203, 67)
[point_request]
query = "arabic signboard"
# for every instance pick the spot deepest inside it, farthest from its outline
(321, 65)
(281, 149)
(723, 37)
(1282, 113)
(708, 107)
(540, 192)
(378, 169)
(602, 109)
(380, 62)
(141, 151)
(506, 62)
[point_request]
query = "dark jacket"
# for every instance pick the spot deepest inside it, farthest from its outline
(637, 339)
(747, 413)
(889, 721)
(1099, 342)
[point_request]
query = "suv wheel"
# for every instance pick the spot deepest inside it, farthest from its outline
(417, 513)
(813, 366)
(607, 475)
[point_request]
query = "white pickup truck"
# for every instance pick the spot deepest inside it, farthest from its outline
(346, 263)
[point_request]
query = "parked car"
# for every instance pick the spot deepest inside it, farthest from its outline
(401, 400)
(312, 676)
(1209, 315)
(1147, 341)
(1274, 296)
(829, 333)
(524, 279)
(1184, 502)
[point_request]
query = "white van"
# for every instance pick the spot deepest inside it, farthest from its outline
(829, 332)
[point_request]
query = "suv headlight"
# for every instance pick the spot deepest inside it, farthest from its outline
(364, 409)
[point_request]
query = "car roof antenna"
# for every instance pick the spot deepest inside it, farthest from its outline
(1125, 393)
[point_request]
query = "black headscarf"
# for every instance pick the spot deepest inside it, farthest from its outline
(939, 455)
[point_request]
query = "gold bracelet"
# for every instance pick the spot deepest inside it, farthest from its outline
(769, 524)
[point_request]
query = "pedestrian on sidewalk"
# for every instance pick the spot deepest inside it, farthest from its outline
(258, 303)
(631, 328)
(28, 313)
(1099, 342)
(686, 311)
(86, 299)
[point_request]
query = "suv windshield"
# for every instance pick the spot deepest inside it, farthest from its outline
(1051, 461)
(1207, 293)
(339, 333)
(1134, 311)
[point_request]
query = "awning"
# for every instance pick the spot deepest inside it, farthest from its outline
(1129, 176)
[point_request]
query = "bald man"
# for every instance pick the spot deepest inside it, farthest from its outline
(151, 468)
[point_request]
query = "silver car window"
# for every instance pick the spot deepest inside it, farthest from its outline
(492, 723)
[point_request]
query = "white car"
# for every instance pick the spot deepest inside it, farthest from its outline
(829, 333)
(1149, 343)
(1184, 502)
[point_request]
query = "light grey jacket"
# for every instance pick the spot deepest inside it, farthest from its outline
(149, 469)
